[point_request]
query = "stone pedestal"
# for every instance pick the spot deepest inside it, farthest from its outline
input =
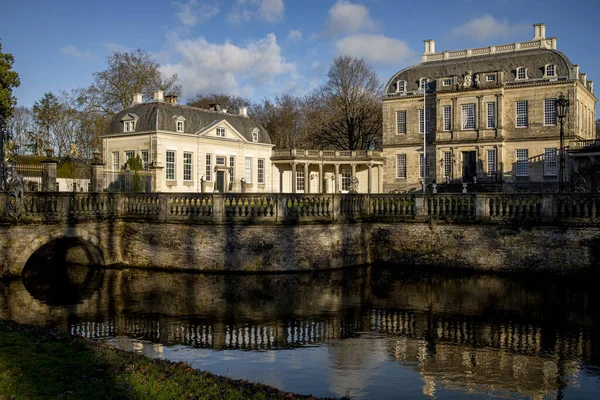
(49, 174)
(97, 178)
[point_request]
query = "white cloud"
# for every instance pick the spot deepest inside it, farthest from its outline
(487, 27)
(294, 36)
(376, 49)
(244, 11)
(208, 67)
(74, 52)
(116, 47)
(192, 13)
(347, 17)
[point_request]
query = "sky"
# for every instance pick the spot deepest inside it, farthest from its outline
(262, 48)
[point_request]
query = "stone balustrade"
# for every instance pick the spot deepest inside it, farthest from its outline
(268, 208)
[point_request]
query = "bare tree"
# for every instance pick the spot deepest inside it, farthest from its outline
(230, 102)
(20, 126)
(346, 110)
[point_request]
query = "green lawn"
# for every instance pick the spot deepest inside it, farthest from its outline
(37, 363)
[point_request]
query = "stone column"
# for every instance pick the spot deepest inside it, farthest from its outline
(294, 177)
(336, 179)
(479, 115)
(380, 179)
(306, 179)
(97, 178)
(320, 187)
(369, 178)
(500, 163)
(49, 172)
(281, 176)
(455, 120)
(156, 181)
(499, 116)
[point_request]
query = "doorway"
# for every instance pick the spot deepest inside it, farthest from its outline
(469, 165)
(221, 181)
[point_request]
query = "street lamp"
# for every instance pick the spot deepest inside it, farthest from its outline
(562, 110)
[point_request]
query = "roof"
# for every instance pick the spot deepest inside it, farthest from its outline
(161, 116)
(534, 60)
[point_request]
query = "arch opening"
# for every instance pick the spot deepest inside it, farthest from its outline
(64, 271)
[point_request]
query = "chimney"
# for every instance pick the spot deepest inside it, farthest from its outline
(576, 69)
(224, 111)
(539, 31)
(244, 111)
(591, 86)
(158, 95)
(429, 46)
(215, 107)
(584, 79)
(137, 99)
(171, 99)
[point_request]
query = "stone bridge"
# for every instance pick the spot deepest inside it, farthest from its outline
(285, 232)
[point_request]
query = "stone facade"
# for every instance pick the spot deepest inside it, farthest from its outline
(474, 130)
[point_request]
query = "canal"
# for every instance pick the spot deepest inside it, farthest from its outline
(370, 333)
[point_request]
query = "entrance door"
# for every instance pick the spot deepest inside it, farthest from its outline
(221, 181)
(469, 165)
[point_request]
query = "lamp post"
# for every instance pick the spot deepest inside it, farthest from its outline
(562, 110)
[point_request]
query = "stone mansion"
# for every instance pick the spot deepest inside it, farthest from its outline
(487, 115)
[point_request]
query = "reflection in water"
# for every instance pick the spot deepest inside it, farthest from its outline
(362, 332)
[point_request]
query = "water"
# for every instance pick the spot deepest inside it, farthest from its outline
(372, 333)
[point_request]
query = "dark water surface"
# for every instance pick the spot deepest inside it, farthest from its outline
(372, 333)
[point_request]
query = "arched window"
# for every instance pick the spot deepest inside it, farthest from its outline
(401, 86)
(255, 135)
(521, 73)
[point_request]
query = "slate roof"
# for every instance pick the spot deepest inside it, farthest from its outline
(534, 60)
(161, 116)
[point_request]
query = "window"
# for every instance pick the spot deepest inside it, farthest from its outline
(522, 114)
(300, 180)
(255, 135)
(491, 162)
(179, 125)
(170, 171)
(130, 154)
(401, 86)
(346, 178)
(260, 171)
(423, 83)
(220, 132)
(521, 73)
(427, 121)
(115, 161)
(187, 166)
(231, 168)
(144, 156)
(549, 70)
(522, 162)
(421, 166)
(220, 160)
(490, 78)
(126, 126)
(401, 122)
(248, 170)
(447, 163)
(468, 116)
(447, 118)
(400, 165)
(208, 175)
(549, 112)
(129, 126)
(550, 162)
(491, 115)
(447, 82)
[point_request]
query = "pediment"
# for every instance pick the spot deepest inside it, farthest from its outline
(231, 132)
(129, 117)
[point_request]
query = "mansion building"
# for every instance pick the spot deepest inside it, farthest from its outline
(489, 116)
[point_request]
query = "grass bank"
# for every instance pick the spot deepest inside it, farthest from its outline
(38, 363)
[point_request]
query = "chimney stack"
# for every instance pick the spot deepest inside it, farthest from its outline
(158, 96)
(576, 68)
(429, 46)
(591, 86)
(584, 79)
(539, 31)
(137, 99)
(171, 99)
(224, 110)
(244, 111)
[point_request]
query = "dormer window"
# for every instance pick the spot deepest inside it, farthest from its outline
(521, 73)
(220, 131)
(423, 83)
(401, 86)
(550, 70)
(179, 126)
(179, 123)
(129, 122)
(255, 135)
(490, 78)
(447, 82)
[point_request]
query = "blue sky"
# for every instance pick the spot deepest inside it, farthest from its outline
(261, 48)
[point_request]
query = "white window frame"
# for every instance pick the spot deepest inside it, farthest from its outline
(550, 112)
(179, 126)
(255, 135)
(116, 166)
(401, 122)
(144, 157)
(300, 180)
(491, 115)
(188, 156)
(170, 158)
(401, 166)
(468, 117)
(522, 163)
(248, 169)
(490, 78)
(423, 83)
(129, 154)
(346, 178)
(447, 110)
(428, 114)
(446, 82)
(447, 163)
(400, 86)
(522, 114)
(551, 161)
(231, 169)
(126, 126)
(427, 170)
(491, 162)
(220, 160)
(260, 171)
(521, 73)
(550, 68)
(208, 168)
(220, 132)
